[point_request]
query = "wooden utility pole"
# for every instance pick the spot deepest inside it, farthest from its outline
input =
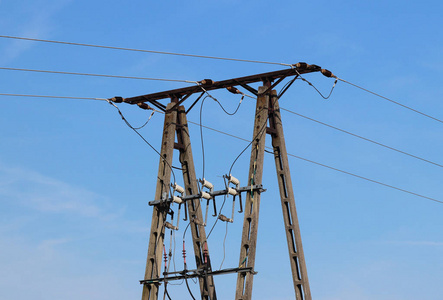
(267, 110)
(176, 122)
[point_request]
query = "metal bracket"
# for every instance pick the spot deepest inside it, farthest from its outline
(258, 188)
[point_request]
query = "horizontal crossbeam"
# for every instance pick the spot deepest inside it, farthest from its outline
(208, 85)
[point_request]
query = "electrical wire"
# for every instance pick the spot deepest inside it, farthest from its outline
(146, 123)
(236, 110)
(201, 128)
(224, 246)
(246, 140)
(189, 290)
(138, 133)
(95, 75)
(363, 138)
(218, 58)
(390, 100)
(141, 50)
(215, 223)
(52, 97)
(313, 86)
(282, 108)
(201, 138)
(260, 132)
(331, 168)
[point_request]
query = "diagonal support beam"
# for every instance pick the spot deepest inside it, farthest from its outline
(292, 229)
(252, 205)
(156, 237)
(207, 288)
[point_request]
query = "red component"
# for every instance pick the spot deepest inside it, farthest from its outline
(184, 252)
(205, 253)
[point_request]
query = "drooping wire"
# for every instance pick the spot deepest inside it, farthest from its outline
(146, 123)
(318, 91)
(138, 133)
(201, 127)
(226, 112)
(390, 100)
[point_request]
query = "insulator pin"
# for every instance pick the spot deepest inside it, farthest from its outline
(301, 65)
(144, 106)
(233, 90)
(205, 195)
(207, 82)
(327, 73)
(177, 199)
(117, 99)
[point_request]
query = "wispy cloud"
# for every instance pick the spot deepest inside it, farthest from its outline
(36, 24)
(46, 194)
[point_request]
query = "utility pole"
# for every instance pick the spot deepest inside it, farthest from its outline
(267, 121)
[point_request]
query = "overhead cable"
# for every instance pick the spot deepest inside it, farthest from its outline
(329, 167)
(390, 100)
(54, 97)
(141, 50)
(363, 138)
(282, 108)
(96, 75)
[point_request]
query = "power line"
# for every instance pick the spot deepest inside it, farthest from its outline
(92, 74)
(329, 167)
(52, 97)
(363, 138)
(142, 50)
(390, 100)
(237, 137)
(282, 108)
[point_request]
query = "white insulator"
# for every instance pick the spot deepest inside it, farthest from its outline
(207, 184)
(206, 196)
(232, 192)
(178, 188)
(234, 180)
(170, 226)
(177, 199)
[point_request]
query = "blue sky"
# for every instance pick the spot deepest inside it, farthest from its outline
(75, 181)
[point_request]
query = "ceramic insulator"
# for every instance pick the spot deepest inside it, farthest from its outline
(234, 180)
(177, 200)
(232, 192)
(206, 196)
